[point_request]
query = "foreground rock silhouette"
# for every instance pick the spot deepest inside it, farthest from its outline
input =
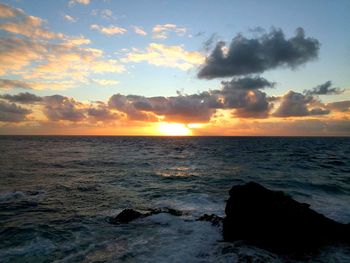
(276, 222)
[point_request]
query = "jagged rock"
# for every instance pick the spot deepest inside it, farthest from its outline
(126, 216)
(214, 219)
(274, 221)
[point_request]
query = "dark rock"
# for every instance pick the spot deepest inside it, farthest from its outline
(214, 219)
(276, 222)
(126, 216)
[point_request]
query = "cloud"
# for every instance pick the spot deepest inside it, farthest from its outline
(10, 112)
(162, 31)
(324, 89)
(297, 104)
(139, 30)
(8, 84)
(125, 104)
(83, 2)
(194, 108)
(169, 56)
(99, 111)
(111, 30)
(69, 18)
(59, 107)
(248, 103)
(256, 55)
(341, 106)
(23, 98)
(103, 13)
(8, 11)
(26, 25)
(248, 83)
(105, 82)
(62, 62)
(208, 44)
(33, 53)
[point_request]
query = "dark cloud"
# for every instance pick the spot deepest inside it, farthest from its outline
(11, 84)
(10, 112)
(297, 104)
(184, 108)
(126, 104)
(248, 103)
(100, 112)
(188, 108)
(23, 98)
(208, 44)
(341, 106)
(248, 83)
(324, 89)
(59, 107)
(270, 50)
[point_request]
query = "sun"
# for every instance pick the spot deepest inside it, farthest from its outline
(174, 129)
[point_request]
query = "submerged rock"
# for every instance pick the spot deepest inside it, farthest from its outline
(274, 221)
(213, 219)
(126, 216)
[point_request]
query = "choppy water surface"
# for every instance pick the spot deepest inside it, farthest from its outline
(57, 194)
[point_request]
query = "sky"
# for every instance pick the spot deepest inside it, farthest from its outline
(197, 67)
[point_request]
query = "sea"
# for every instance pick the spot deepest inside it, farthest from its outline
(59, 193)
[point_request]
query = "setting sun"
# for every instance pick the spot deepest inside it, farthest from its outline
(174, 129)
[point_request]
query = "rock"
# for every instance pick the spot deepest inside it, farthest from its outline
(126, 216)
(276, 222)
(214, 219)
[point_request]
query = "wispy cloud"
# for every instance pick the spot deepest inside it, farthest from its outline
(105, 82)
(110, 30)
(162, 31)
(69, 18)
(139, 30)
(83, 2)
(169, 56)
(104, 13)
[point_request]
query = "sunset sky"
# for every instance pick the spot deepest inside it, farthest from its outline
(199, 67)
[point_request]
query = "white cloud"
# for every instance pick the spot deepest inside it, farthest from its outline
(139, 30)
(162, 31)
(169, 56)
(69, 18)
(111, 30)
(43, 59)
(105, 82)
(83, 2)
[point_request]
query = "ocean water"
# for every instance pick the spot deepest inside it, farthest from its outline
(57, 194)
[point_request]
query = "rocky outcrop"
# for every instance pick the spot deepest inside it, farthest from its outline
(274, 221)
(128, 215)
(213, 219)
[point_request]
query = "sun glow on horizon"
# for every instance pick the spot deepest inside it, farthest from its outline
(174, 129)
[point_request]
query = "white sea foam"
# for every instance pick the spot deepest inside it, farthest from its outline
(20, 195)
(195, 204)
